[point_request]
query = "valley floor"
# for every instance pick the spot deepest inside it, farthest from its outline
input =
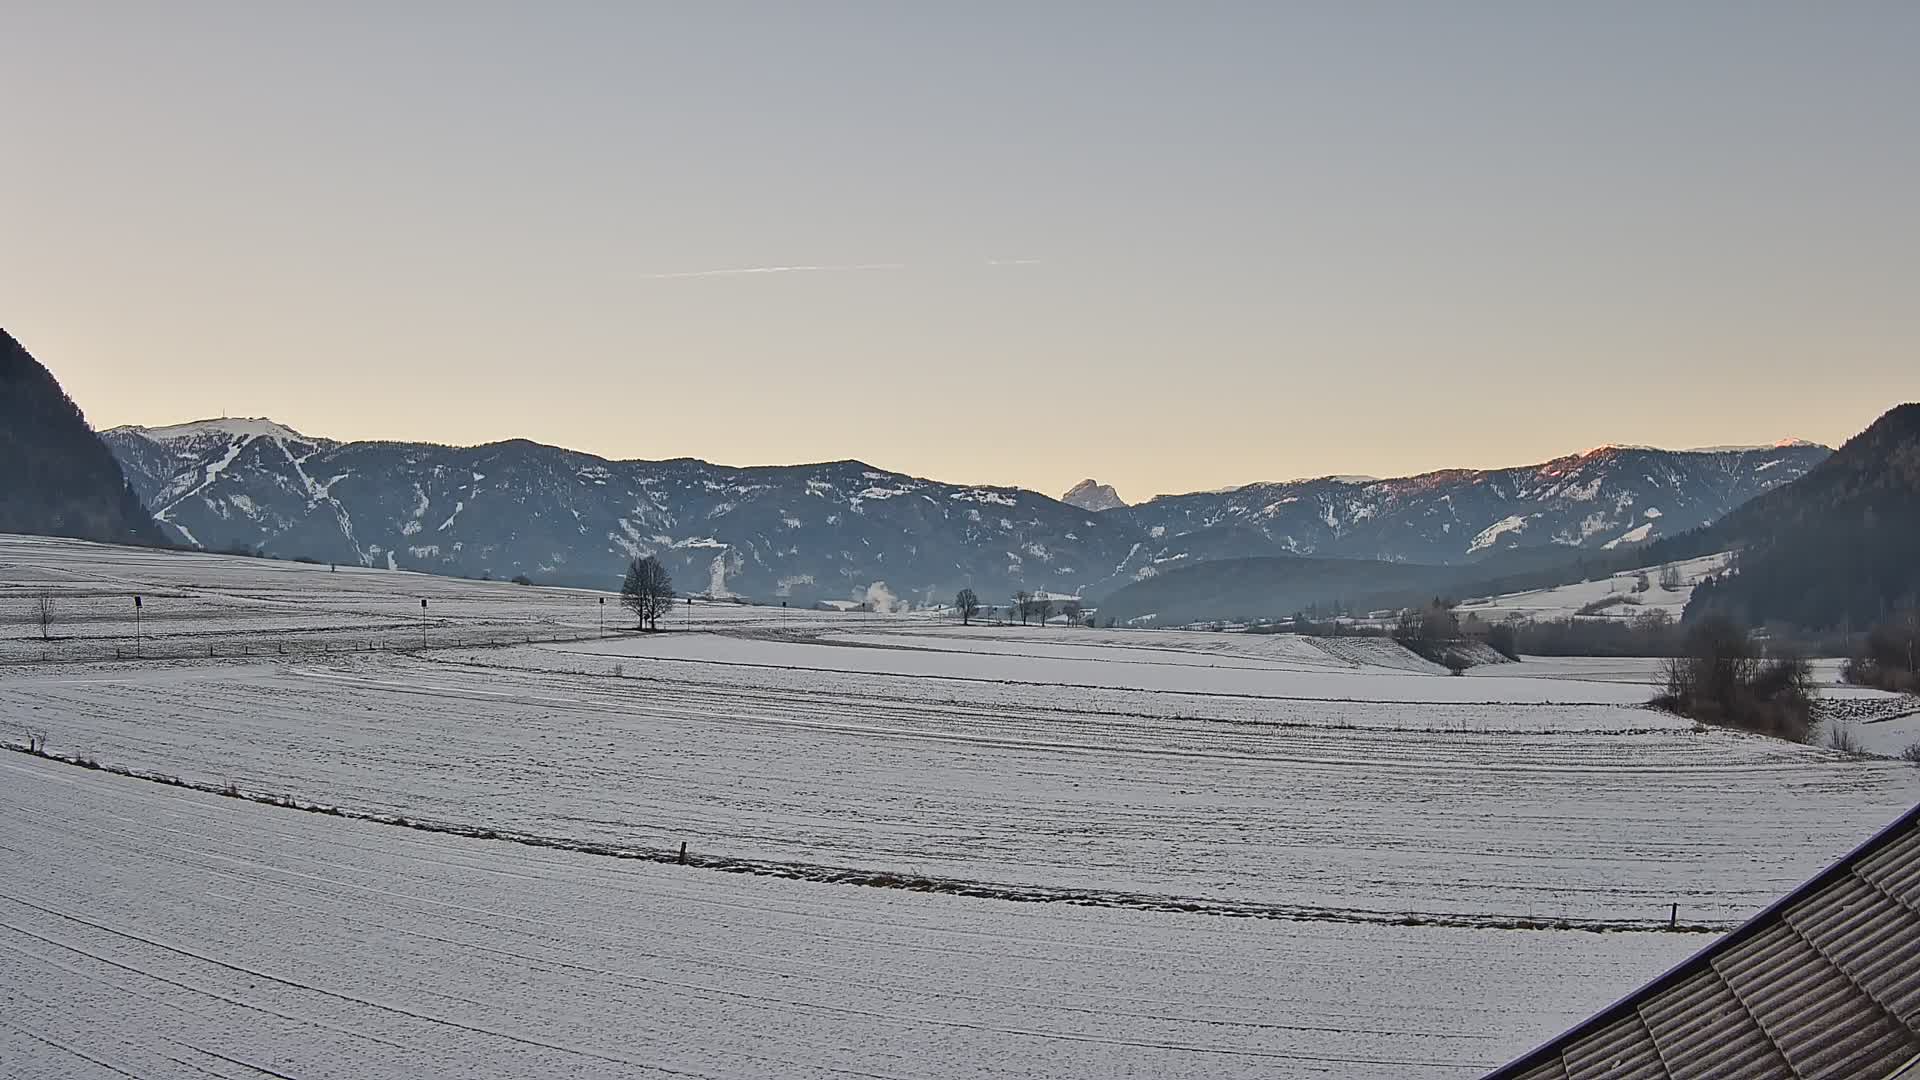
(1127, 853)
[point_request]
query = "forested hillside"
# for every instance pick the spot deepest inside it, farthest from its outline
(1837, 549)
(56, 477)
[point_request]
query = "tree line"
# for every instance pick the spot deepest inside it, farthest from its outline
(1027, 606)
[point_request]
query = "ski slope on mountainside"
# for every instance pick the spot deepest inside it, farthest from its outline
(154, 932)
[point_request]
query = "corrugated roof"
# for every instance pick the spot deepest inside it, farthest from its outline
(1825, 983)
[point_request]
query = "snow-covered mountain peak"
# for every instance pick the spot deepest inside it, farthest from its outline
(232, 426)
(1092, 495)
(1780, 444)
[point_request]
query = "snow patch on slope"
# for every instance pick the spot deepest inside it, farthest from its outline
(1492, 533)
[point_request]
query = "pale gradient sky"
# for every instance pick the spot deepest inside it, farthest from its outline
(1173, 246)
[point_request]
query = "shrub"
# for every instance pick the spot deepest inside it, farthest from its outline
(1600, 606)
(1911, 753)
(522, 579)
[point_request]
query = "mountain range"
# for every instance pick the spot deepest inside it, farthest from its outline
(830, 531)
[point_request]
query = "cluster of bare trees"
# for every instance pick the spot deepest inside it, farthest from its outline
(1721, 678)
(1040, 607)
(1428, 628)
(1889, 658)
(1030, 607)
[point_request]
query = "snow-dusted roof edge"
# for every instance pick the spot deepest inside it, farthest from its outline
(1774, 913)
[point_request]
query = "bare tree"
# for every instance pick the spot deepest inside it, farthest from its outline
(1072, 610)
(968, 604)
(1670, 578)
(647, 592)
(43, 611)
(1023, 600)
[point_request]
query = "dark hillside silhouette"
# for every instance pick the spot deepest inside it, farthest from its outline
(56, 477)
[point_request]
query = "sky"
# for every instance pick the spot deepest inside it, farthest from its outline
(1170, 246)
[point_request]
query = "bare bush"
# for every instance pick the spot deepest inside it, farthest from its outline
(1599, 607)
(1911, 754)
(43, 614)
(1840, 735)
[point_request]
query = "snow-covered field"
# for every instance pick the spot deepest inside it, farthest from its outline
(153, 932)
(992, 656)
(197, 604)
(1088, 808)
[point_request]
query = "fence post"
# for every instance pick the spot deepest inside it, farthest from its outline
(683, 853)
(1673, 918)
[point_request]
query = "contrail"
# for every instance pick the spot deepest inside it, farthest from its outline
(773, 270)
